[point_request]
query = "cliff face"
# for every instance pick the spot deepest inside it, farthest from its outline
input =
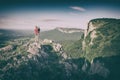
(102, 38)
(101, 47)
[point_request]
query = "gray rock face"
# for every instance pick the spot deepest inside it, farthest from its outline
(57, 47)
(96, 68)
(33, 48)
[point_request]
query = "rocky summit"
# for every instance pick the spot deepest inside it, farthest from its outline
(25, 60)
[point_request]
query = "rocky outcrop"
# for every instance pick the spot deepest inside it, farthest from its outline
(28, 61)
(34, 48)
(57, 47)
(96, 68)
(47, 41)
(7, 48)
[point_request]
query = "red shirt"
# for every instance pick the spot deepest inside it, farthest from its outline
(36, 31)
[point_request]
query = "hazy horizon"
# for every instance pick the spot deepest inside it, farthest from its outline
(51, 14)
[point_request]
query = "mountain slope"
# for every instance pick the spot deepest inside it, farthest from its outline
(100, 48)
(57, 35)
(69, 30)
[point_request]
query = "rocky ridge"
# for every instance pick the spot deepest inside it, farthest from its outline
(69, 30)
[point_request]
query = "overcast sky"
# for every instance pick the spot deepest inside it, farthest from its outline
(48, 14)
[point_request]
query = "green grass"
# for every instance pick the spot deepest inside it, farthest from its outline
(73, 48)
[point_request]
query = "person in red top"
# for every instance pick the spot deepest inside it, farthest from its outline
(36, 30)
(37, 33)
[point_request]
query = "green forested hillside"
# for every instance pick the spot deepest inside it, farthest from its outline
(57, 35)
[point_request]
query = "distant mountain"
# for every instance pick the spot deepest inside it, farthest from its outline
(57, 34)
(7, 35)
(69, 30)
(61, 34)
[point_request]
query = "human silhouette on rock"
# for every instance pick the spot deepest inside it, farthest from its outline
(37, 35)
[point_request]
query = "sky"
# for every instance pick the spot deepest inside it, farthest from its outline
(49, 14)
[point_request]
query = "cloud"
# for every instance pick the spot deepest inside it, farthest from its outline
(78, 8)
(51, 20)
(75, 14)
